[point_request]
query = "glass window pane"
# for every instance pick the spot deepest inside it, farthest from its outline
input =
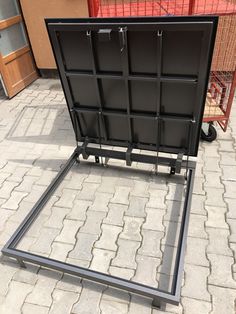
(12, 38)
(8, 8)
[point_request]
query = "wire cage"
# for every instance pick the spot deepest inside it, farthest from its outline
(222, 80)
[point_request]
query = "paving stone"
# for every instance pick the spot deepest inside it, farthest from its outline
(154, 219)
(221, 273)
(68, 233)
(140, 305)
(140, 188)
(212, 164)
(44, 241)
(121, 195)
(34, 308)
(46, 178)
(113, 307)
(18, 174)
(35, 229)
(41, 293)
(218, 241)
(148, 277)
(63, 301)
(151, 243)
(67, 199)
(27, 275)
(232, 225)
(5, 214)
(27, 184)
(172, 230)
(78, 262)
(78, 212)
(101, 202)
(175, 192)
(196, 306)
(57, 217)
(228, 159)
(126, 254)
(200, 258)
(213, 180)
(115, 214)
(69, 283)
(198, 186)
(214, 197)
(60, 251)
(196, 226)
(83, 247)
(93, 222)
(14, 201)
(108, 238)
(7, 188)
(231, 204)
(230, 189)
(76, 180)
(216, 217)
(88, 192)
(196, 276)
(10, 227)
(15, 297)
(223, 300)
(121, 272)
(7, 272)
(35, 193)
(89, 299)
(211, 151)
(47, 209)
(101, 260)
(229, 173)
(137, 206)
(132, 228)
(174, 211)
(109, 181)
(226, 146)
(156, 199)
(95, 175)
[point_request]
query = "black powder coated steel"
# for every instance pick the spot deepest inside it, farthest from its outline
(135, 83)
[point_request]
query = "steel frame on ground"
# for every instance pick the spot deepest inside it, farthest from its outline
(159, 296)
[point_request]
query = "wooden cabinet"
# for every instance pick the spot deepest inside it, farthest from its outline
(34, 13)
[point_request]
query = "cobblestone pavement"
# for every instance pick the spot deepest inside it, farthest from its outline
(118, 220)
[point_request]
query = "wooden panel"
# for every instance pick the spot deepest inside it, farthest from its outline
(34, 13)
(18, 70)
(9, 22)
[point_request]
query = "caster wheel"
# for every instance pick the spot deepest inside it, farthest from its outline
(211, 136)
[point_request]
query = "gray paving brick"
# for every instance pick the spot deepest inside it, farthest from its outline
(196, 226)
(126, 254)
(5, 214)
(228, 159)
(232, 225)
(69, 230)
(108, 237)
(46, 178)
(221, 273)
(218, 241)
(43, 243)
(69, 283)
(67, 198)
(57, 217)
(121, 195)
(35, 229)
(35, 193)
(121, 272)
(219, 297)
(148, 277)
(15, 297)
(196, 306)
(101, 259)
(34, 308)
(7, 273)
(196, 276)
(137, 206)
(63, 301)
(212, 164)
(113, 307)
(78, 212)
(154, 219)
(174, 211)
(41, 293)
(172, 230)
(88, 192)
(27, 275)
(109, 181)
(200, 258)
(229, 172)
(83, 247)
(226, 146)
(151, 243)
(115, 214)
(6, 189)
(93, 222)
(132, 228)
(231, 213)
(89, 299)
(140, 305)
(230, 189)
(213, 180)
(27, 184)
(59, 251)
(214, 197)
(101, 202)
(198, 186)
(216, 217)
(156, 199)
(18, 174)
(175, 192)
(140, 188)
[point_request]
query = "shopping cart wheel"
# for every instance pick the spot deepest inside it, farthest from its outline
(210, 134)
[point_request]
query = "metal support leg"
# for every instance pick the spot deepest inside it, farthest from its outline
(21, 263)
(97, 160)
(159, 304)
